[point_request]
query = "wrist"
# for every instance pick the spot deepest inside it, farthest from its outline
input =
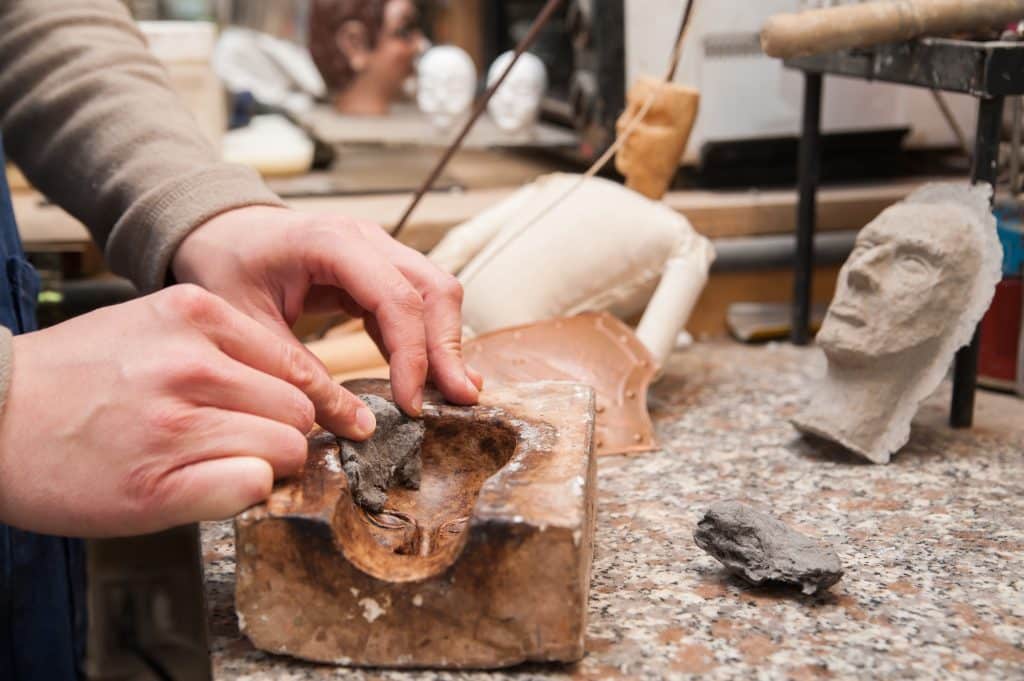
(218, 242)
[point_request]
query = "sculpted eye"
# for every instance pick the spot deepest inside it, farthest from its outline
(860, 248)
(914, 265)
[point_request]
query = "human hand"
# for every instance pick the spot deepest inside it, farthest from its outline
(169, 409)
(275, 263)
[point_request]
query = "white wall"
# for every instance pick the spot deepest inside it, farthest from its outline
(751, 95)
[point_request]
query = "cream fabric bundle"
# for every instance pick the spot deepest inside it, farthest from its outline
(565, 244)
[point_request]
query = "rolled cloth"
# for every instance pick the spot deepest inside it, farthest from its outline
(876, 23)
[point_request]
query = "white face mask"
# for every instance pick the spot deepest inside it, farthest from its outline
(514, 107)
(446, 84)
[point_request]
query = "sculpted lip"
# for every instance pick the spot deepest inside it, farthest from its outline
(846, 314)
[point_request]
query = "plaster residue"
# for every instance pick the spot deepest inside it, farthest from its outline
(371, 609)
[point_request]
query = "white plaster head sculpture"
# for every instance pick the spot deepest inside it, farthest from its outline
(515, 105)
(919, 279)
(446, 83)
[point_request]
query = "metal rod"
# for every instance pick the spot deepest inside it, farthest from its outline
(531, 36)
(984, 169)
(808, 172)
(1015, 148)
(677, 49)
(954, 126)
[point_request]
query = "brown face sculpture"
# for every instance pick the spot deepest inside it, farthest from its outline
(650, 155)
(365, 50)
(910, 267)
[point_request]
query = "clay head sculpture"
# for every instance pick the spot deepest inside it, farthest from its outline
(515, 105)
(365, 50)
(918, 281)
(446, 81)
(650, 155)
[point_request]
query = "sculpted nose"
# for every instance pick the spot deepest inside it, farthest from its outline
(860, 277)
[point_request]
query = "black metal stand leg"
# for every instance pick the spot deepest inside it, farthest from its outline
(808, 172)
(986, 158)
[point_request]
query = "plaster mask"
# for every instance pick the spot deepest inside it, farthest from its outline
(446, 84)
(650, 156)
(514, 107)
(918, 281)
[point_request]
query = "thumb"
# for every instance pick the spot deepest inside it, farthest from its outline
(217, 489)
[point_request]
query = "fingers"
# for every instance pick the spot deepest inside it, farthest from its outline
(218, 434)
(476, 377)
(217, 489)
(379, 288)
(442, 316)
(337, 410)
(250, 343)
(240, 388)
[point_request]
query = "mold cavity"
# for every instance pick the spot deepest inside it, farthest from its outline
(421, 532)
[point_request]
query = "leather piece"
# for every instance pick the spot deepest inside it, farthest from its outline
(595, 348)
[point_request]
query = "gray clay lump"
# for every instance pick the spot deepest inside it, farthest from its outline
(390, 457)
(760, 548)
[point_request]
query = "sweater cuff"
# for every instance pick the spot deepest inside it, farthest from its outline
(6, 363)
(146, 237)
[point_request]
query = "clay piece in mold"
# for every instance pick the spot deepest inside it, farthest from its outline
(593, 348)
(486, 565)
(760, 548)
(919, 279)
(391, 456)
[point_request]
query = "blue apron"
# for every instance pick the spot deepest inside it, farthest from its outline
(42, 579)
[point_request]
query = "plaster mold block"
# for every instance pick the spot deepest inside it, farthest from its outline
(919, 280)
(486, 564)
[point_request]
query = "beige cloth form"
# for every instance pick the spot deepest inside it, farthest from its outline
(559, 247)
(91, 119)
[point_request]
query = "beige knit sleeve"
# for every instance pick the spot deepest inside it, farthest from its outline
(90, 118)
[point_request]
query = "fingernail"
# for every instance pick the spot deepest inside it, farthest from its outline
(471, 386)
(365, 421)
(417, 403)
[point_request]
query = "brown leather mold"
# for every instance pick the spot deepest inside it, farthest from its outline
(594, 348)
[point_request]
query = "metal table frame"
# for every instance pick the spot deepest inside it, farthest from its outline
(989, 71)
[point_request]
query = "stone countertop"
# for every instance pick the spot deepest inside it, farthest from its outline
(932, 543)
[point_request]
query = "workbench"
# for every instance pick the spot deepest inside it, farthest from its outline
(932, 544)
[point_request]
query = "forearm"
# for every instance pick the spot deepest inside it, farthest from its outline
(91, 119)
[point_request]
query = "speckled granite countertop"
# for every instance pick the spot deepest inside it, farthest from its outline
(933, 544)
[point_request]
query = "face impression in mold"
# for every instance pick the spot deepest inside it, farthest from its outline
(416, 531)
(446, 81)
(918, 281)
(515, 105)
